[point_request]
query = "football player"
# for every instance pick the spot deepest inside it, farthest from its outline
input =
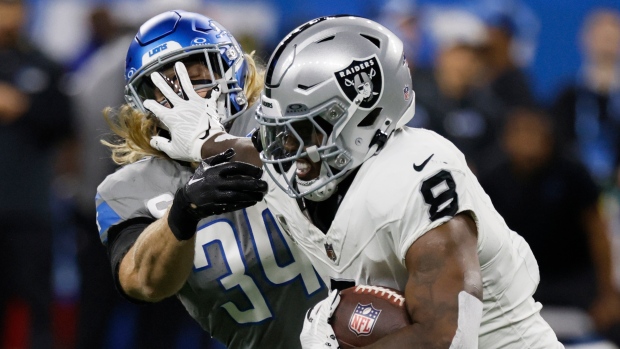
(386, 204)
(227, 261)
(373, 202)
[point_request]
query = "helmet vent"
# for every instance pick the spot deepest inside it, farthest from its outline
(370, 119)
(374, 40)
(307, 87)
(326, 39)
(203, 28)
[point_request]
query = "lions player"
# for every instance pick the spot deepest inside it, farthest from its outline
(373, 202)
(243, 280)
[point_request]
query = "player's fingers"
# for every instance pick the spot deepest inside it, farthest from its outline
(312, 313)
(155, 108)
(334, 299)
(237, 168)
(164, 88)
(213, 96)
(221, 157)
(257, 188)
(186, 82)
(160, 112)
(309, 328)
(241, 202)
(160, 143)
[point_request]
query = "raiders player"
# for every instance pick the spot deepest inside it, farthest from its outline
(373, 202)
(233, 269)
(390, 205)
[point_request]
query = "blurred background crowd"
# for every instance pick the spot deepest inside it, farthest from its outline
(529, 90)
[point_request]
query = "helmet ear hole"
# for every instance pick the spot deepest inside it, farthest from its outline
(370, 119)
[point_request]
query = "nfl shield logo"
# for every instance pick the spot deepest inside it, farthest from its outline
(406, 92)
(363, 319)
(329, 250)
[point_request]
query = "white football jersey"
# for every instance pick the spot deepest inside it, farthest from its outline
(417, 182)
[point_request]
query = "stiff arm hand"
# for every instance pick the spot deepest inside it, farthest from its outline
(191, 122)
(217, 186)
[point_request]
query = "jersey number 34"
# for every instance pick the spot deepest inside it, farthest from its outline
(262, 236)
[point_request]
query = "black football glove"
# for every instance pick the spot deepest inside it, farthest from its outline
(217, 186)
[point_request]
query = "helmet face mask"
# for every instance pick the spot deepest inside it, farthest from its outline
(302, 137)
(291, 136)
(348, 72)
(202, 76)
(199, 42)
(204, 66)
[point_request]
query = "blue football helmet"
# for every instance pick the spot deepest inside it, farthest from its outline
(199, 42)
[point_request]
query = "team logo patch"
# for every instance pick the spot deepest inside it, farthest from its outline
(363, 319)
(363, 78)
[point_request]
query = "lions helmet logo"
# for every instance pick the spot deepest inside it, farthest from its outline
(362, 80)
(363, 319)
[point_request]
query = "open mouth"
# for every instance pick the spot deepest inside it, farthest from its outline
(307, 170)
(304, 167)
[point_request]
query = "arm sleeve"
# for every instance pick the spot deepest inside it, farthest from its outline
(438, 198)
(121, 238)
(445, 189)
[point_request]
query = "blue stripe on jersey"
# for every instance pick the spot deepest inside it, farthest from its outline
(105, 218)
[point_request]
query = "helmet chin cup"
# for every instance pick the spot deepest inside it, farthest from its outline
(323, 193)
(320, 188)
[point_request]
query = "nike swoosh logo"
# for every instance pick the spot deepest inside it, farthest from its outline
(420, 167)
(205, 136)
(194, 180)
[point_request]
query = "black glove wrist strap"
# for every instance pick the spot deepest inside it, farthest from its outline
(182, 219)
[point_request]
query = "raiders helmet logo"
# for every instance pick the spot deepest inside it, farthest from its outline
(362, 79)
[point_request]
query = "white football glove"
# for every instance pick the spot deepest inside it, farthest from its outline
(317, 333)
(190, 122)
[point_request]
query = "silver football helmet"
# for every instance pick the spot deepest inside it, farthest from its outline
(335, 89)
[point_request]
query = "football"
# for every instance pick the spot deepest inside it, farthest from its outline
(367, 313)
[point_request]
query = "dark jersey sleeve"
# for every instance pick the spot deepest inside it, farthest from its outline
(121, 238)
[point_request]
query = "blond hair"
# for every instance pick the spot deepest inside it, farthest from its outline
(133, 129)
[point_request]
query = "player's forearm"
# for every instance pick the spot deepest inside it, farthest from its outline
(244, 149)
(444, 281)
(158, 264)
